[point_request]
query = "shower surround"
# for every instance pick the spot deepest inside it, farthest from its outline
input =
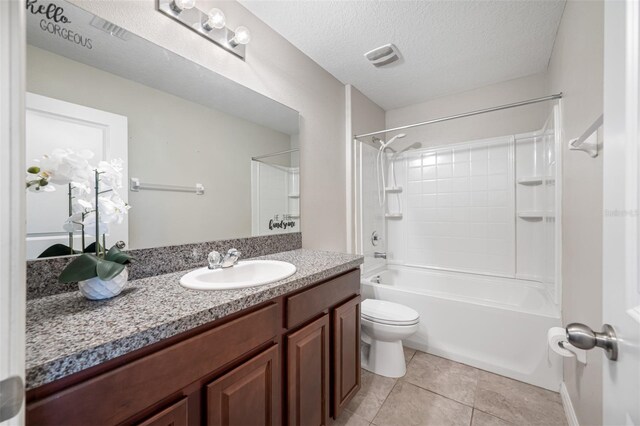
(471, 238)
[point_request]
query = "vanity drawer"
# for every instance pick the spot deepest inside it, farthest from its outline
(122, 393)
(309, 303)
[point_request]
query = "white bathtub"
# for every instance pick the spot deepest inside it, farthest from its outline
(495, 324)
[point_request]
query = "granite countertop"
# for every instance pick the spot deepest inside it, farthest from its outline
(67, 333)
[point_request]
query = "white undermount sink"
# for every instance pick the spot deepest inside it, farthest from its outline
(246, 273)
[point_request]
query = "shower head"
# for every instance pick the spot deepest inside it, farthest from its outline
(392, 140)
(416, 145)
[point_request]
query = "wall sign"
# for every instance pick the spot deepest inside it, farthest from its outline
(284, 223)
(53, 21)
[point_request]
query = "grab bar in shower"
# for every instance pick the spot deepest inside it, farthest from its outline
(135, 185)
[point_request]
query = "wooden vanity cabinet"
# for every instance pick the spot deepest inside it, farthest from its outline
(292, 360)
(248, 395)
(346, 353)
(308, 374)
(174, 415)
(323, 354)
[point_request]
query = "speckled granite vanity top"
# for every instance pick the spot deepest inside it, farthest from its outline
(67, 333)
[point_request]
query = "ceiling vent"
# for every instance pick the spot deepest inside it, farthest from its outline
(383, 55)
(110, 28)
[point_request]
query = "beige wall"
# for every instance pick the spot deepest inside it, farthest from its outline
(366, 116)
(277, 69)
(576, 68)
(363, 116)
(171, 141)
(511, 121)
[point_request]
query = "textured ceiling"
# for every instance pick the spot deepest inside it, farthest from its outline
(447, 46)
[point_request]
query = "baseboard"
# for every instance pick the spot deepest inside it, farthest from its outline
(572, 419)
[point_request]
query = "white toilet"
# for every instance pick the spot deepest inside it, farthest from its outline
(384, 325)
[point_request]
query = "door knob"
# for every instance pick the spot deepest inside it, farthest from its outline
(583, 337)
(11, 397)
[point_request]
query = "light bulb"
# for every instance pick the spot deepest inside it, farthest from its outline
(242, 36)
(180, 5)
(216, 19)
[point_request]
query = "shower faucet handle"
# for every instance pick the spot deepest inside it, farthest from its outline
(375, 238)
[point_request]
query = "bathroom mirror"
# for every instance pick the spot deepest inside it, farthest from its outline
(202, 157)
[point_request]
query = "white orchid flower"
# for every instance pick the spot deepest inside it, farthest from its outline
(112, 208)
(73, 223)
(90, 225)
(80, 205)
(64, 166)
(82, 187)
(111, 173)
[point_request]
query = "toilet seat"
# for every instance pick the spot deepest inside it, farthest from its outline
(383, 312)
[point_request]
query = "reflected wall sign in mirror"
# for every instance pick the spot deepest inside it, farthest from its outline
(175, 126)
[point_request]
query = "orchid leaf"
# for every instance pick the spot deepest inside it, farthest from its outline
(108, 270)
(81, 268)
(57, 250)
(116, 255)
(91, 248)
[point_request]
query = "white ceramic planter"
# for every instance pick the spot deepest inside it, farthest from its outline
(97, 289)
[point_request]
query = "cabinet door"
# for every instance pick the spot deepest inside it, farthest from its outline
(308, 374)
(346, 353)
(248, 395)
(175, 415)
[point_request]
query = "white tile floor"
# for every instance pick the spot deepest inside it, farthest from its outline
(436, 391)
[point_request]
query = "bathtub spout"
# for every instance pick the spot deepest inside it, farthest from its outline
(379, 255)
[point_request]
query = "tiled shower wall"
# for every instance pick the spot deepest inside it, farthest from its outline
(537, 229)
(458, 207)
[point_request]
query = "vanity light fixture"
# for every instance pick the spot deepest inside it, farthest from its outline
(210, 25)
(242, 36)
(216, 20)
(179, 5)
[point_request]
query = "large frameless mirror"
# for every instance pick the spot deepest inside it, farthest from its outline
(184, 155)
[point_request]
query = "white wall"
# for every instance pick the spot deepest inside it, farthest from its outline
(495, 124)
(276, 69)
(363, 115)
(168, 144)
(12, 198)
(576, 68)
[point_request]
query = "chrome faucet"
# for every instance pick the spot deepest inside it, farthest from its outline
(217, 261)
(379, 255)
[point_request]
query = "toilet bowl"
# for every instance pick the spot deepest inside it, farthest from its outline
(384, 325)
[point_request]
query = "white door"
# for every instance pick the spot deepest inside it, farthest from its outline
(51, 124)
(12, 266)
(621, 287)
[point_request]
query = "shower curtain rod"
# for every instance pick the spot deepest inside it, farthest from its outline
(466, 114)
(258, 158)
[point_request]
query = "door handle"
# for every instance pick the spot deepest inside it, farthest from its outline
(11, 397)
(583, 337)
